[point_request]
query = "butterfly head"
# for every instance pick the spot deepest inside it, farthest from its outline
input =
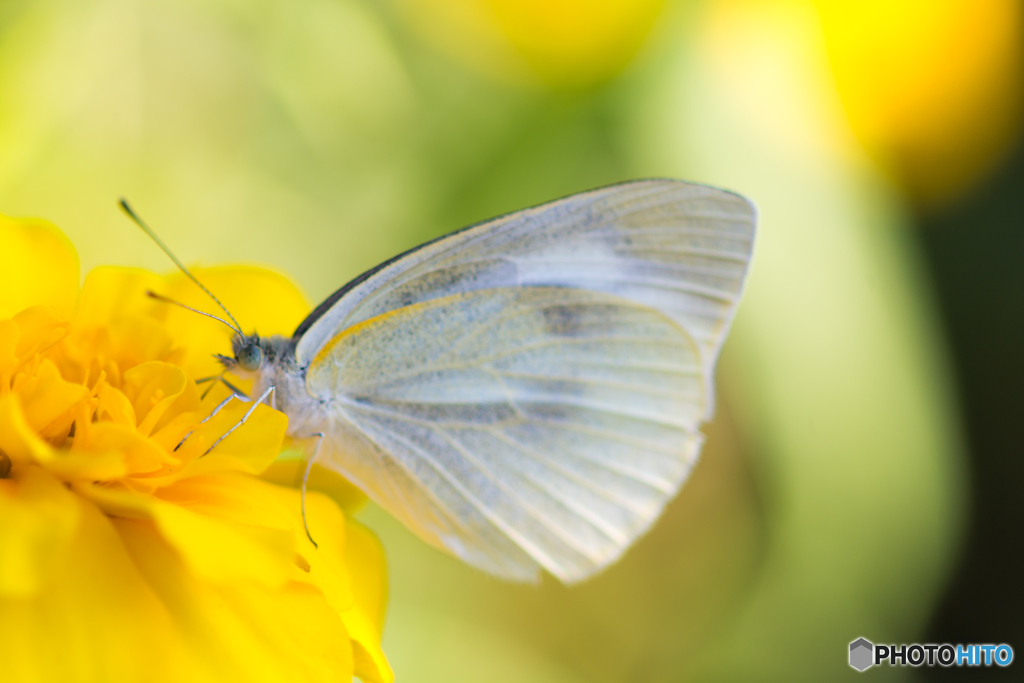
(248, 353)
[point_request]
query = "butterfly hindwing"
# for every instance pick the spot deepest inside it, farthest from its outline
(545, 424)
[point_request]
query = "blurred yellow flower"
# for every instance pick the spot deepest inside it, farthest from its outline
(933, 88)
(562, 43)
(125, 558)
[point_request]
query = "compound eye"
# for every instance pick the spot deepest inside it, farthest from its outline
(250, 357)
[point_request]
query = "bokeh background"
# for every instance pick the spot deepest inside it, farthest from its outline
(863, 474)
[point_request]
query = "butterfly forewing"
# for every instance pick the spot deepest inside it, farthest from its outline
(677, 247)
(527, 393)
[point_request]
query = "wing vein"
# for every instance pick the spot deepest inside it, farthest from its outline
(361, 387)
(531, 453)
(640, 389)
(469, 497)
(533, 512)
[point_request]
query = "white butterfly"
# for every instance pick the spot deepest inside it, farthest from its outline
(525, 393)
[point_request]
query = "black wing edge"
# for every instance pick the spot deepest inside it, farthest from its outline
(345, 289)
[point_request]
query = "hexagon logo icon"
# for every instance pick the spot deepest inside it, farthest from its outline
(861, 654)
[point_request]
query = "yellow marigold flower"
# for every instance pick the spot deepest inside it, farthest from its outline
(124, 558)
(561, 43)
(933, 88)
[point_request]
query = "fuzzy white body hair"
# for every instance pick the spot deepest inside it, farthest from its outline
(307, 415)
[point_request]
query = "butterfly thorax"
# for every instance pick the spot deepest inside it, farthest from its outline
(279, 368)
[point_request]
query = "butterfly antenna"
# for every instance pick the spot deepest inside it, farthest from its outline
(167, 300)
(153, 236)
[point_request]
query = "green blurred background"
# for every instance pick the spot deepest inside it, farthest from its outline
(862, 476)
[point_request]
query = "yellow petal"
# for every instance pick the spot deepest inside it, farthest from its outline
(38, 266)
(242, 630)
(115, 500)
(19, 441)
(46, 395)
(115, 406)
(261, 300)
(364, 559)
(138, 454)
(136, 340)
(96, 620)
(326, 560)
(159, 392)
(39, 517)
(110, 294)
(250, 448)
(223, 551)
(9, 335)
(90, 467)
(243, 499)
(17, 438)
(290, 466)
(40, 327)
(235, 497)
(113, 328)
(170, 434)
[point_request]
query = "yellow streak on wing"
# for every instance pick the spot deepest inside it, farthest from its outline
(412, 309)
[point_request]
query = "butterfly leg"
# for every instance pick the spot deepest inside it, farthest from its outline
(240, 396)
(220, 378)
(305, 478)
(213, 382)
(241, 422)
